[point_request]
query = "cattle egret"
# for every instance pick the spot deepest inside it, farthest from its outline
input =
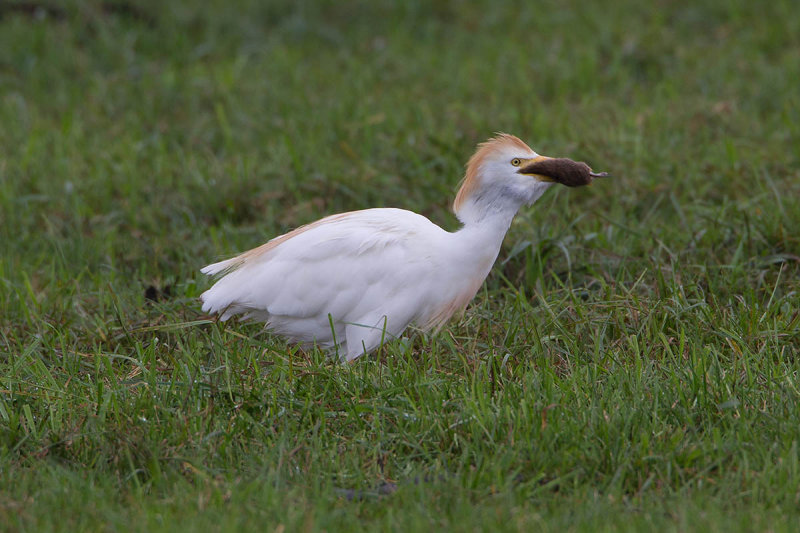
(354, 280)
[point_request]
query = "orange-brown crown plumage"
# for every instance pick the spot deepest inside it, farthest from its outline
(485, 149)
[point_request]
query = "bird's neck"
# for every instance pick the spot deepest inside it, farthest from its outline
(482, 233)
(490, 209)
(486, 216)
(488, 224)
(496, 206)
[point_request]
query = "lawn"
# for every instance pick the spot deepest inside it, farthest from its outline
(632, 362)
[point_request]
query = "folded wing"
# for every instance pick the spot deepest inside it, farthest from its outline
(352, 280)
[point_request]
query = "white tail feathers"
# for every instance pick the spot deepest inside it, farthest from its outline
(222, 266)
(220, 299)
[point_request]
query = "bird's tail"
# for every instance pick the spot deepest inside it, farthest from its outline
(220, 299)
(221, 267)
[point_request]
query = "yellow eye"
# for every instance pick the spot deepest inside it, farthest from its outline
(516, 162)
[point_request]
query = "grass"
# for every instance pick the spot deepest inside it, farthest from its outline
(632, 362)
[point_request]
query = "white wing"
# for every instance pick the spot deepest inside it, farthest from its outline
(370, 273)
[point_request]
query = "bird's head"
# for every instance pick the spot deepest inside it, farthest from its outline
(504, 174)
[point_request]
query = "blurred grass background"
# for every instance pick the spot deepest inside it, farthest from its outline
(632, 362)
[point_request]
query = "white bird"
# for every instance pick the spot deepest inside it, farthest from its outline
(354, 280)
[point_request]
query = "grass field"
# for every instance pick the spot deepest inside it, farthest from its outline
(632, 362)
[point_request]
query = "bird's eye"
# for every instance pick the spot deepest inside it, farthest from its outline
(516, 162)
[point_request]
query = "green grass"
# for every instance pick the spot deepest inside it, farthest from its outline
(632, 363)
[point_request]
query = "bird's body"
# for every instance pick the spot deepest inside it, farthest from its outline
(373, 271)
(355, 280)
